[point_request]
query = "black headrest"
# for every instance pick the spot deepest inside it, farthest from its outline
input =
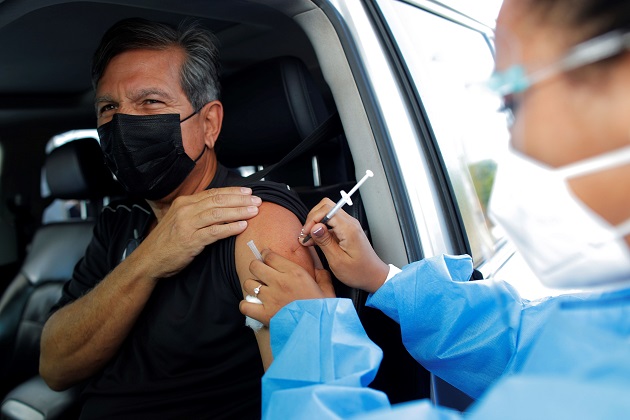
(268, 109)
(76, 170)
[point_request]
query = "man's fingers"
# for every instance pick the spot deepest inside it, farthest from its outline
(217, 206)
(218, 215)
(237, 191)
(227, 208)
(213, 233)
(230, 200)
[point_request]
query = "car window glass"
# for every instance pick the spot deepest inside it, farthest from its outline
(484, 11)
(447, 62)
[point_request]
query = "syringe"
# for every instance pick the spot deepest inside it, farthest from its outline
(345, 198)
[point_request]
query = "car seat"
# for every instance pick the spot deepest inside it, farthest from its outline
(269, 109)
(75, 170)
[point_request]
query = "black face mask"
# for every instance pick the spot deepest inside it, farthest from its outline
(146, 153)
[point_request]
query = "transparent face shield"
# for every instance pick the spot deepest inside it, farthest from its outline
(516, 79)
(504, 86)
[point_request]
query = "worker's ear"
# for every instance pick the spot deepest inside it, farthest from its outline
(212, 114)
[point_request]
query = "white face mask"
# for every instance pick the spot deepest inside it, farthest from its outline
(564, 242)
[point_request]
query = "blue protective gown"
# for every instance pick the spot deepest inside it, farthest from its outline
(562, 357)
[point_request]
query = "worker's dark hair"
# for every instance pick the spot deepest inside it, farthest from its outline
(591, 17)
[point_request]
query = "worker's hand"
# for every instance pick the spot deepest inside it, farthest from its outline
(348, 251)
(281, 281)
(191, 223)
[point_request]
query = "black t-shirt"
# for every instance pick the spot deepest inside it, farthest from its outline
(189, 354)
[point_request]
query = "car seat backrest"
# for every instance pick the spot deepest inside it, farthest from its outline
(74, 170)
(269, 108)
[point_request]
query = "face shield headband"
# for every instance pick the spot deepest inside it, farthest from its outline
(516, 79)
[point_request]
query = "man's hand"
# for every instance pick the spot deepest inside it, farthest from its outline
(281, 282)
(195, 221)
(348, 251)
(82, 336)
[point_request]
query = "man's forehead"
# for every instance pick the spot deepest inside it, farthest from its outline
(135, 94)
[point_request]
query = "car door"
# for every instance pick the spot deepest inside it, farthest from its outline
(420, 68)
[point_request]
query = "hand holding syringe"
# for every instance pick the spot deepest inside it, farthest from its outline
(345, 198)
(353, 262)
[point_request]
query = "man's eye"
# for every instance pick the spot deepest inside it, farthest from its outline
(106, 108)
(152, 101)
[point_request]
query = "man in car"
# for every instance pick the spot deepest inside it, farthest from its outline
(150, 319)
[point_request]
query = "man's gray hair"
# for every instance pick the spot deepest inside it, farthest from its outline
(199, 76)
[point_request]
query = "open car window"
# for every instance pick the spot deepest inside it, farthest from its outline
(445, 59)
(449, 57)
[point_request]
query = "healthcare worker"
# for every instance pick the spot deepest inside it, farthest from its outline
(563, 67)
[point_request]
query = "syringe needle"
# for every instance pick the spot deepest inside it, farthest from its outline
(367, 175)
(345, 198)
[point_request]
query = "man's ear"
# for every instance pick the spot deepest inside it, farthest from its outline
(212, 114)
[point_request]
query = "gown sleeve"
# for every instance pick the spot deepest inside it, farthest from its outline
(323, 363)
(468, 333)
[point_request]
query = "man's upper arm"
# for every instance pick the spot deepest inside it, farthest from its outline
(277, 229)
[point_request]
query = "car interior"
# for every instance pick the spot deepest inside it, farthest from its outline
(285, 72)
(75, 171)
